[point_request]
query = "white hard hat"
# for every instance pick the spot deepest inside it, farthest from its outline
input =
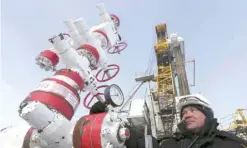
(194, 99)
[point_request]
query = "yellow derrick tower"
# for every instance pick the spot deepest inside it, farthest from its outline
(165, 93)
(170, 58)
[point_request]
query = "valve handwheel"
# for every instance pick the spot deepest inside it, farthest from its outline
(105, 77)
(117, 48)
(86, 103)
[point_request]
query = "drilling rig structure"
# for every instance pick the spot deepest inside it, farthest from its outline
(238, 125)
(170, 58)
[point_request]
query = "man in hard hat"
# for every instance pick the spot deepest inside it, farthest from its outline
(198, 127)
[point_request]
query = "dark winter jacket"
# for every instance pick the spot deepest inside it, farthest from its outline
(209, 137)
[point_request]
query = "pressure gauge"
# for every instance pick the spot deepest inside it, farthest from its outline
(114, 95)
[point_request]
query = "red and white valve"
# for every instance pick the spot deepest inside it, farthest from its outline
(91, 53)
(107, 32)
(89, 43)
(90, 57)
(47, 60)
(90, 46)
(60, 92)
(103, 130)
(51, 106)
(100, 131)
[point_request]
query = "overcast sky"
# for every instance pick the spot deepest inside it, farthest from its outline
(215, 34)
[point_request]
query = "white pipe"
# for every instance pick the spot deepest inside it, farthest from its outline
(58, 133)
(74, 32)
(70, 57)
(83, 29)
(104, 16)
(37, 115)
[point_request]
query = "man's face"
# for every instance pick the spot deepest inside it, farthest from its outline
(194, 119)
